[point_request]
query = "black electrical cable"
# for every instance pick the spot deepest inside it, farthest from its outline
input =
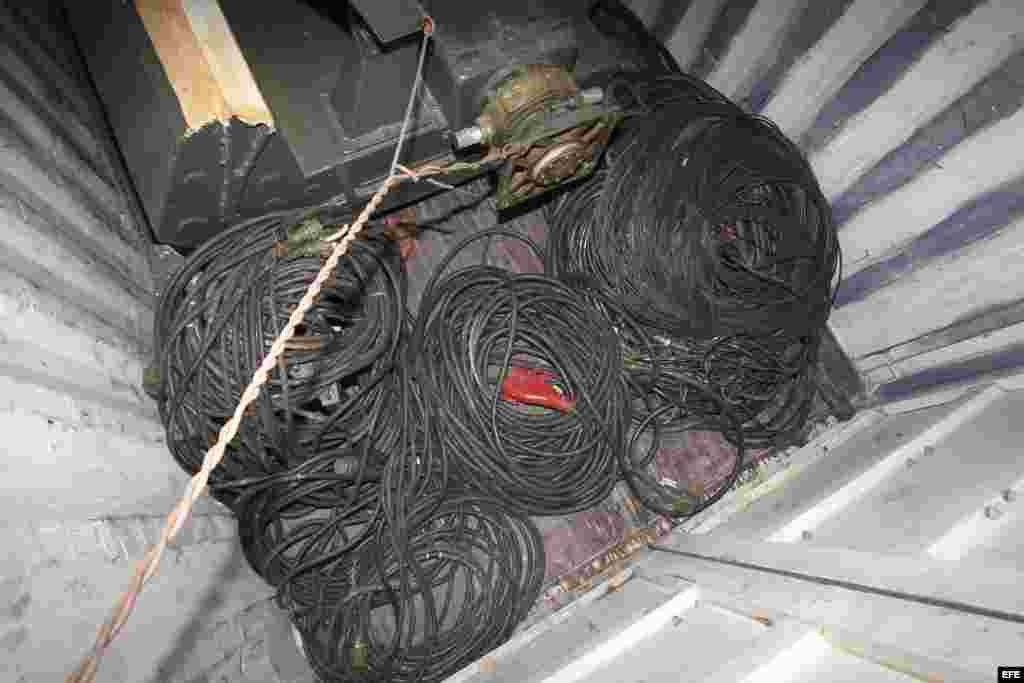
(345, 504)
(381, 481)
(220, 314)
(478, 568)
(707, 226)
(618, 22)
(670, 498)
(474, 325)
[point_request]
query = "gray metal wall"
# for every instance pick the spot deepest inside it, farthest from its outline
(84, 474)
(910, 112)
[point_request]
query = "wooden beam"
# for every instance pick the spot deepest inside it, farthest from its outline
(229, 68)
(203, 62)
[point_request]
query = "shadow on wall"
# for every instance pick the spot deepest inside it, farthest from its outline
(194, 638)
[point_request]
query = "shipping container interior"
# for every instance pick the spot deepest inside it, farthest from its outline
(881, 542)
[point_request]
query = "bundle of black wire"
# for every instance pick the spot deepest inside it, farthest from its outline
(470, 571)
(474, 325)
(767, 382)
(304, 529)
(344, 503)
(217, 319)
(707, 225)
(706, 222)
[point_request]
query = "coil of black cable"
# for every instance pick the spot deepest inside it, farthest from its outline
(477, 325)
(708, 227)
(471, 571)
(217, 319)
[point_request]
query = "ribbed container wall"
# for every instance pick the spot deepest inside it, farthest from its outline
(85, 473)
(910, 113)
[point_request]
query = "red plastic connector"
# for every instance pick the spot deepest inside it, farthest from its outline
(536, 387)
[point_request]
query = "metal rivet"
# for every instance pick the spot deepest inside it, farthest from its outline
(1009, 495)
(993, 512)
(806, 535)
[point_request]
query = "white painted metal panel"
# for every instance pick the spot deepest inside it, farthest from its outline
(950, 638)
(980, 275)
(703, 637)
(43, 190)
(975, 46)
(687, 39)
(194, 603)
(959, 475)
(835, 665)
(754, 49)
(832, 470)
(46, 96)
(780, 472)
(973, 168)
(818, 75)
(39, 253)
(869, 479)
(85, 471)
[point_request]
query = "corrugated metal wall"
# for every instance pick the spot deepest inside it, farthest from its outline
(910, 112)
(84, 474)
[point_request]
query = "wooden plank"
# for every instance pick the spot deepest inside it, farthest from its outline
(687, 39)
(975, 46)
(817, 76)
(973, 168)
(203, 62)
(182, 57)
(754, 49)
(228, 66)
(979, 276)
